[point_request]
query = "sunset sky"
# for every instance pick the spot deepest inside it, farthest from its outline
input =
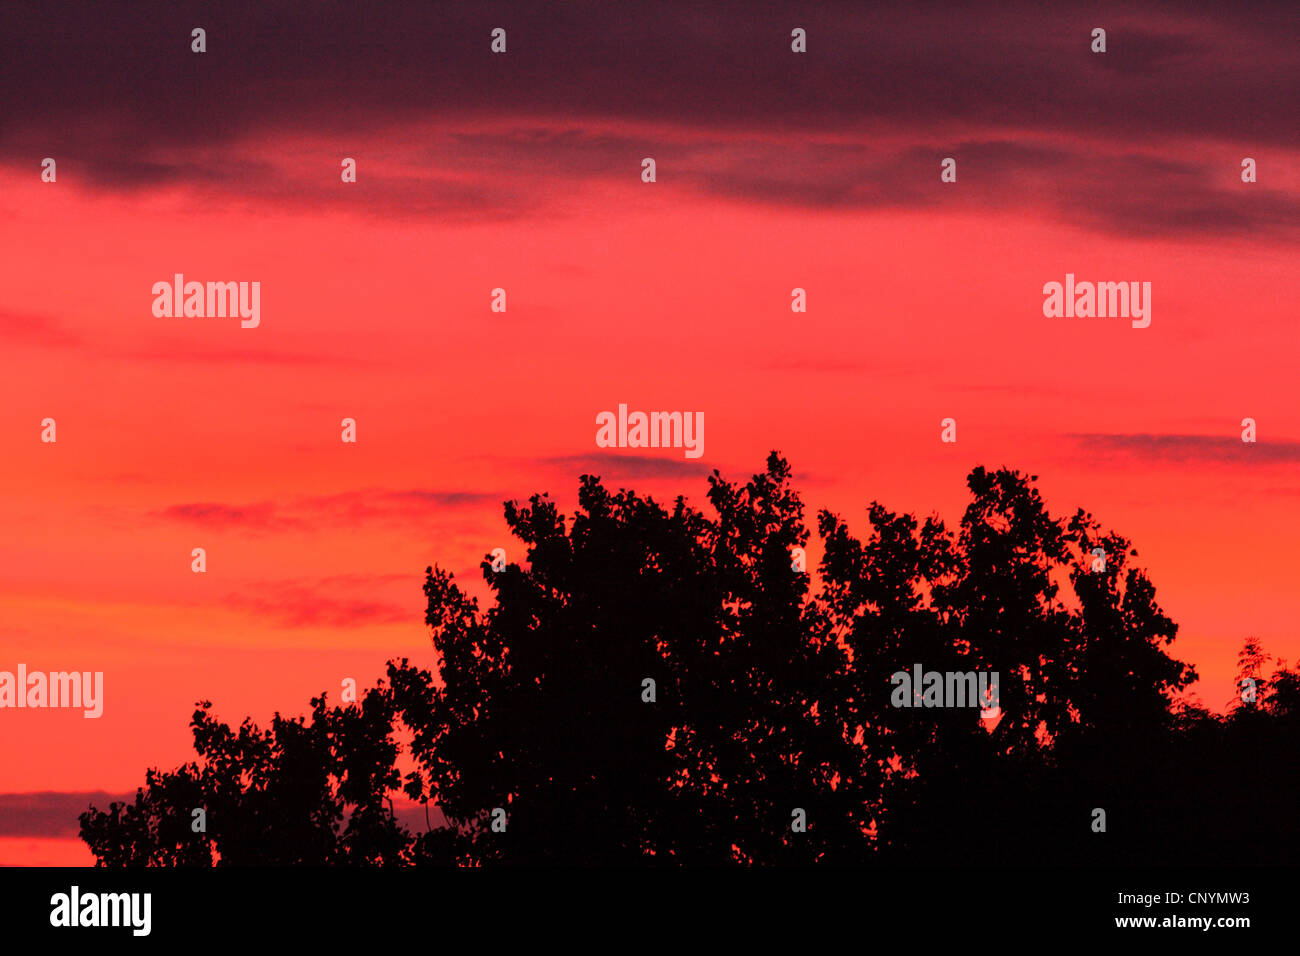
(522, 171)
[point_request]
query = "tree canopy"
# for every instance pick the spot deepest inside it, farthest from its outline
(658, 685)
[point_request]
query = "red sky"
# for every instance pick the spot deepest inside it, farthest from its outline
(924, 302)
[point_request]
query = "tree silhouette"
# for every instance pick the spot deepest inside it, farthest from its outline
(655, 685)
(542, 710)
(304, 792)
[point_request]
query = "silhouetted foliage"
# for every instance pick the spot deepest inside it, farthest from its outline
(308, 793)
(767, 699)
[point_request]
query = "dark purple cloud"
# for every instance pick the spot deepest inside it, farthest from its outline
(443, 127)
(1196, 69)
(711, 90)
(1127, 193)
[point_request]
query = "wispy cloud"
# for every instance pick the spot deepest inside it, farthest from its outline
(1187, 448)
(214, 513)
(206, 354)
(327, 602)
(50, 814)
(344, 508)
(39, 330)
(622, 465)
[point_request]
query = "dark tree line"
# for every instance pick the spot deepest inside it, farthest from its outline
(767, 698)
